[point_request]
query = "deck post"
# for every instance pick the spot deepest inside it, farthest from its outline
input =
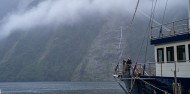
(175, 79)
(161, 69)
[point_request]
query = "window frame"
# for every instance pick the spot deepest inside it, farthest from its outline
(177, 50)
(162, 49)
(172, 55)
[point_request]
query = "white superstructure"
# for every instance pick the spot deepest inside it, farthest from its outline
(167, 54)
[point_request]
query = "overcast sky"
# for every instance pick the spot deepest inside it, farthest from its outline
(27, 14)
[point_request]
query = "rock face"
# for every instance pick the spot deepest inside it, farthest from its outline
(98, 63)
(78, 52)
(87, 51)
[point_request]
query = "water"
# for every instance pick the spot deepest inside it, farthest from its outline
(60, 88)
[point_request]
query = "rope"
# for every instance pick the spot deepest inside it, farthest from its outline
(149, 25)
(153, 12)
(160, 33)
(146, 50)
(132, 85)
(121, 37)
(135, 12)
(133, 82)
(133, 17)
(125, 90)
(148, 28)
(165, 92)
(164, 11)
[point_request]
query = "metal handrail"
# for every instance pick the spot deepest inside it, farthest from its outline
(172, 22)
(148, 71)
(170, 29)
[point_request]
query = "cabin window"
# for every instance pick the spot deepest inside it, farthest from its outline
(160, 55)
(181, 53)
(170, 54)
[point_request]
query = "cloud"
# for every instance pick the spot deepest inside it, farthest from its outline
(51, 12)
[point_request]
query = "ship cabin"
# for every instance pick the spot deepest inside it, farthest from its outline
(171, 43)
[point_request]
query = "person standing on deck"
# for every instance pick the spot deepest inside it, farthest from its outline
(128, 65)
(124, 66)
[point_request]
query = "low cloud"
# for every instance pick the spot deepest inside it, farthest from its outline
(51, 12)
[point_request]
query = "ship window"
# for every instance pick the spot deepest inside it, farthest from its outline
(160, 55)
(170, 54)
(181, 53)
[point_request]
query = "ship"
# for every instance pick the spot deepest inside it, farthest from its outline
(170, 72)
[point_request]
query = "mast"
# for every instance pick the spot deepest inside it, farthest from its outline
(188, 14)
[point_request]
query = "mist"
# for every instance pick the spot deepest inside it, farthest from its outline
(49, 12)
(64, 12)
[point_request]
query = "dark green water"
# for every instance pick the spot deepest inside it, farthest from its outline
(60, 88)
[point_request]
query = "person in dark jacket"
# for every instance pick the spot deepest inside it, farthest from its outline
(129, 65)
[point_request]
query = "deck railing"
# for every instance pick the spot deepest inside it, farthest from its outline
(170, 29)
(147, 69)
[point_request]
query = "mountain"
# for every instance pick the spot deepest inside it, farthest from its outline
(85, 51)
(46, 54)
(62, 53)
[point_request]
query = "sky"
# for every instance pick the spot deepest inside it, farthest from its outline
(29, 14)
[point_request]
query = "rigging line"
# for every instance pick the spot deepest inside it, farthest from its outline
(136, 8)
(164, 11)
(133, 17)
(146, 50)
(161, 23)
(153, 12)
(153, 86)
(148, 28)
(141, 48)
(160, 33)
(151, 17)
(133, 83)
(135, 12)
(153, 20)
(121, 29)
(121, 37)
(125, 90)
